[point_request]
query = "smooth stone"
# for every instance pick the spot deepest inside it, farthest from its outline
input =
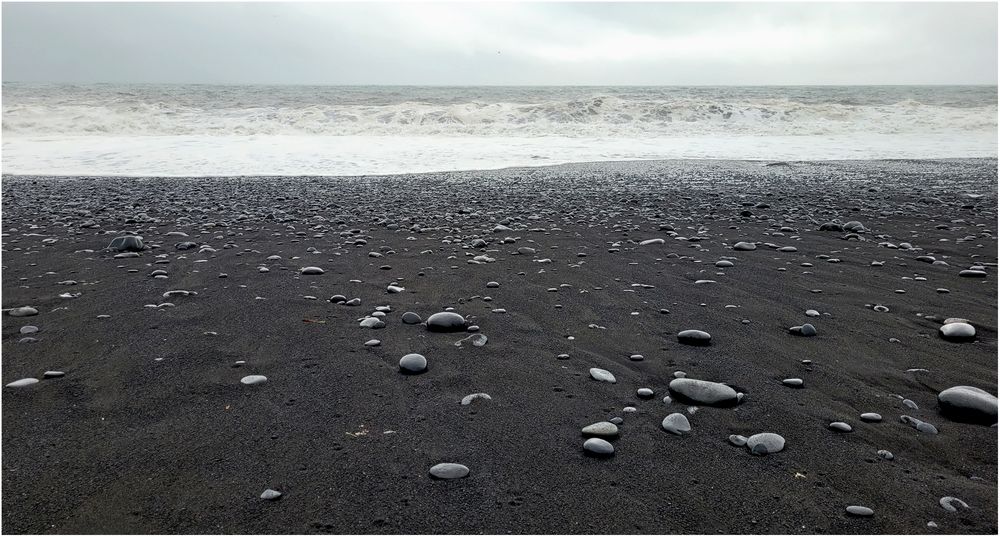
(413, 363)
(644, 393)
(602, 375)
(808, 330)
(648, 242)
(793, 383)
(676, 423)
(724, 264)
(599, 447)
(765, 443)
(250, 380)
(29, 329)
(473, 397)
(958, 332)
(372, 322)
(53, 374)
(841, 427)
(372, 343)
(919, 425)
(311, 271)
(601, 428)
(694, 337)
(411, 318)
(270, 495)
(737, 440)
(128, 243)
(949, 502)
(812, 313)
(703, 392)
(745, 246)
(22, 383)
(23, 311)
(968, 404)
(871, 417)
(885, 454)
(859, 510)
(492, 285)
(446, 321)
(449, 470)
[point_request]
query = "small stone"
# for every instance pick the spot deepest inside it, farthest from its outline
(413, 363)
(601, 428)
(676, 423)
(598, 447)
(840, 427)
(765, 443)
(871, 417)
(446, 321)
(411, 318)
(644, 393)
(270, 495)
(449, 470)
(859, 510)
(250, 380)
(602, 375)
(22, 383)
(703, 392)
(793, 383)
(694, 337)
(958, 332)
(53, 374)
(949, 503)
(473, 397)
(23, 311)
(968, 404)
(737, 440)
(745, 246)
(311, 271)
(885, 454)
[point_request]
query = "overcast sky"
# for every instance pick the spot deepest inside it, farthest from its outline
(505, 43)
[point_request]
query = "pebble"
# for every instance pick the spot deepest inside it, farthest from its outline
(250, 380)
(919, 425)
(22, 383)
(793, 383)
(449, 470)
(885, 454)
(949, 503)
(446, 321)
(413, 363)
(644, 393)
(28, 329)
(372, 343)
(602, 375)
(764, 443)
(694, 337)
(958, 332)
(411, 318)
(473, 397)
(601, 428)
(968, 404)
(23, 311)
(311, 271)
(859, 510)
(871, 417)
(745, 246)
(53, 374)
(841, 427)
(270, 495)
(676, 423)
(703, 392)
(737, 440)
(598, 447)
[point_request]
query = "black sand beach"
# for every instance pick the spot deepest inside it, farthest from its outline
(151, 430)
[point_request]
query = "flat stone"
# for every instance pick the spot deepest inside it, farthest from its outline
(949, 503)
(598, 447)
(793, 383)
(968, 404)
(871, 417)
(413, 363)
(449, 470)
(737, 440)
(23, 311)
(694, 337)
(250, 380)
(703, 392)
(23, 383)
(601, 428)
(411, 318)
(919, 425)
(602, 375)
(744, 246)
(53, 374)
(859, 510)
(644, 393)
(765, 443)
(676, 423)
(840, 427)
(311, 271)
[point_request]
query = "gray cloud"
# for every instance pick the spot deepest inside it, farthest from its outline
(546, 43)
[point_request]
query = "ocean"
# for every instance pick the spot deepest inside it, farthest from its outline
(207, 130)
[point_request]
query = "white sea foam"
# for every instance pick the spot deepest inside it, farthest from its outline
(206, 130)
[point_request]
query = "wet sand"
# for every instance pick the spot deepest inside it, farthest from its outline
(151, 429)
